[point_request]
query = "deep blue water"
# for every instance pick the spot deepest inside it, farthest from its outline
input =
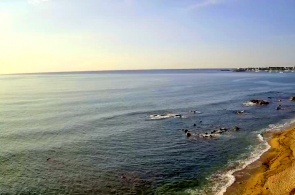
(91, 133)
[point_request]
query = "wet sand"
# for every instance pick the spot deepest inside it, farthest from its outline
(273, 173)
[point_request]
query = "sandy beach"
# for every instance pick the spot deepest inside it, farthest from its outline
(273, 173)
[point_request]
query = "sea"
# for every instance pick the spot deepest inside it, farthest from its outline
(122, 132)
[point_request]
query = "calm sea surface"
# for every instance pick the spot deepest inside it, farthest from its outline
(91, 133)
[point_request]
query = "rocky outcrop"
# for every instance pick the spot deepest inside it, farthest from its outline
(259, 102)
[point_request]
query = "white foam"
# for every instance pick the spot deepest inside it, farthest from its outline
(260, 138)
(249, 104)
(196, 112)
(253, 157)
(224, 180)
(279, 127)
(164, 116)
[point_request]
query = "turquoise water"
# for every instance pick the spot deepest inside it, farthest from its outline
(91, 133)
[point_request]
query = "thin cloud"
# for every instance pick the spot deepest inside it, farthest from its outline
(35, 2)
(205, 3)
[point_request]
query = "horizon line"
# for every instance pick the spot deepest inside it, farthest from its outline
(119, 70)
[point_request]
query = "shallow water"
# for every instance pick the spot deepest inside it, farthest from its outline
(91, 133)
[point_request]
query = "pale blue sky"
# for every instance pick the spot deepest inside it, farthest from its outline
(70, 35)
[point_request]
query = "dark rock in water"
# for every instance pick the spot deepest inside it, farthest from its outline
(236, 128)
(269, 97)
(278, 108)
(123, 177)
(195, 124)
(219, 131)
(185, 131)
(279, 100)
(188, 134)
(259, 102)
(241, 112)
(195, 112)
(292, 98)
(178, 115)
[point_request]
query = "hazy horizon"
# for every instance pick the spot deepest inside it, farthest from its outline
(94, 35)
(130, 70)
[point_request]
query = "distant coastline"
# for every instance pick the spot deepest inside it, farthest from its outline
(265, 69)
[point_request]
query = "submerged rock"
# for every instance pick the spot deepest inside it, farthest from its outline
(292, 98)
(187, 133)
(178, 116)
(195, 112)
(240, 112)
(236, 128)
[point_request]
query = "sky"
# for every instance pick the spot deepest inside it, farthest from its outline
(83, 35)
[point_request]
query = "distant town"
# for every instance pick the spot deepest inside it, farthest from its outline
(265, 69)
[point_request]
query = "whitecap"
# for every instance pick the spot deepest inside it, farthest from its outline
(260, 138)
(249, 104)
(164, 116)
(196, 112)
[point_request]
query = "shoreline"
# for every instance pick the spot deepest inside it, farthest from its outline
(273, 173)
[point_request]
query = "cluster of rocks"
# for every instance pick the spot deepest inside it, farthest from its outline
(218, 132)
(263, 102)
(259, 102)
(212, 134)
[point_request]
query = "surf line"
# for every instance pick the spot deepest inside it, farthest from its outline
(253, 157)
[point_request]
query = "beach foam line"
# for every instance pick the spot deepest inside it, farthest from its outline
(254, 156)
(259, 136)
(222, 181)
